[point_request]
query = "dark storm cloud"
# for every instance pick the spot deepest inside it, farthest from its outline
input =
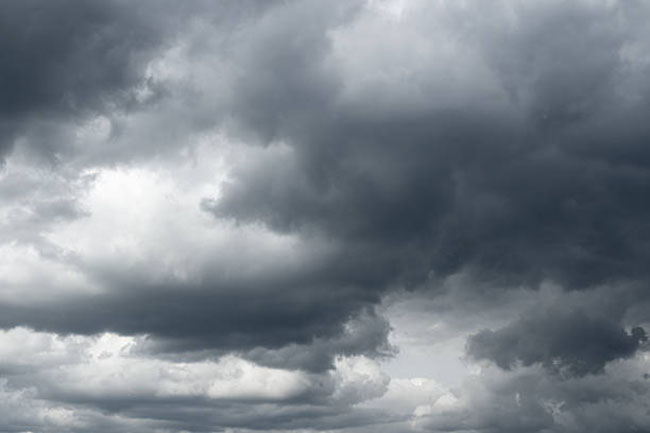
(547, 183)
(67, 57)
(509, 189)
(520, 188)
(510, 146)
(366, 334)
(310, 323)
(569, 342)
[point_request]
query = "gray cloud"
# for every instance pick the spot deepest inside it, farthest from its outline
(571, 342)
(226, 317)
(502, 143)
(502, 188)
(534, 402)
(66, 58)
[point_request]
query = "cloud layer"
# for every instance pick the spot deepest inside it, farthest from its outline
(394, 215)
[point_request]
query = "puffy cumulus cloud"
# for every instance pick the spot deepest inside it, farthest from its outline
(359, 379)
(231, 198)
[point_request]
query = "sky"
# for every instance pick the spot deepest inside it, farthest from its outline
(302, 216)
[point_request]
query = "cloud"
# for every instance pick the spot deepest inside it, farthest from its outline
(227, 286)
(241, 189)
(496, 186)
(110, 375)
(66, 58)
(532, 401)
(572, 342)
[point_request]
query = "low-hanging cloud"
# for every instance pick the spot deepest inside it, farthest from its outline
(245, 185)
(570, 342)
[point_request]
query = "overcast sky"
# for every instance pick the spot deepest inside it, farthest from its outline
(301, 216)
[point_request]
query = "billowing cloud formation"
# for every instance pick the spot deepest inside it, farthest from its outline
(572, 341)
(66, 58)
(496, 162)
(228, 215)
